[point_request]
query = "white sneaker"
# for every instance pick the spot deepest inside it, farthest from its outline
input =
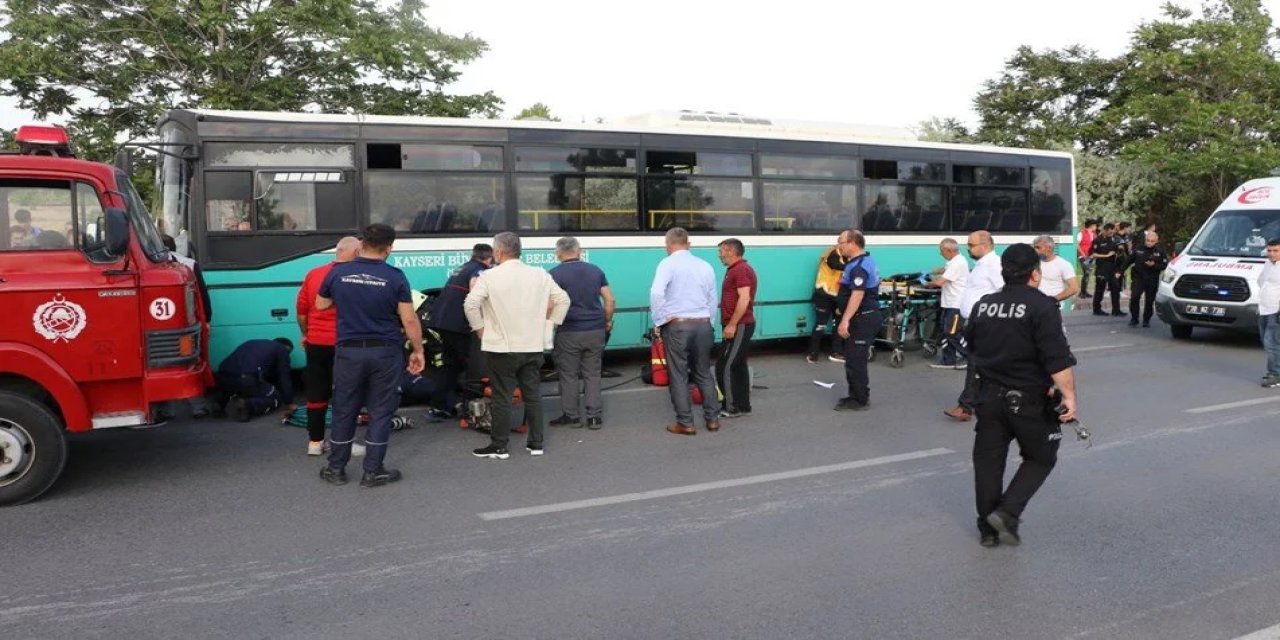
(315, 448)
(357, 450)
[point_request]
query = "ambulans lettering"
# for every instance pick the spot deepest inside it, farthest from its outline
(1002, 310)
(1254, 196)
(59, 319)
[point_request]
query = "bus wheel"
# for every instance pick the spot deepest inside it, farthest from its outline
(33, 449)
(1180, 331)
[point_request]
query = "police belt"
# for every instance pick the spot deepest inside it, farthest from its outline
(990, 386)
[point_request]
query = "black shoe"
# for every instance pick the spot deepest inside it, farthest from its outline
(730, 413)
(333, 476)
(1118, 314)
(533, 449)
(379, 477)
(989, 540)
(1099, 312)
(1133, 323)
(238, 409)
(849, 404)
(594, 423)
(1006, 526)
(565, 421)
(1146, 324)
(491, 452)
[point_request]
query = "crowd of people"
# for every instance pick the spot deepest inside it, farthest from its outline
(365, 335)
(1113, 254)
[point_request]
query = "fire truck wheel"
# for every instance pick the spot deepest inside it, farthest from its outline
(33, 449)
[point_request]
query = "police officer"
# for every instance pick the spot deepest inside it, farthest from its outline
(1148, 261)
(461, 352)
(374, 302)
(859, 287)
(256, 378)
(1108, 259)
(1021, 354)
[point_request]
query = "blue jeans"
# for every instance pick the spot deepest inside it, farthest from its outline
(1269, 329)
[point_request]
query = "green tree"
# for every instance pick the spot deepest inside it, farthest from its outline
(942, 130)
(537, 111)
(110, 68)
(1193, 107)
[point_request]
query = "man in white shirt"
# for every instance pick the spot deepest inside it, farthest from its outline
(952, 282)
(1269, 313)
(985, 278)
(682, 302)
(507, 309)
(1057, 274)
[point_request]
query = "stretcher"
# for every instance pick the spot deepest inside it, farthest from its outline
(911, 314)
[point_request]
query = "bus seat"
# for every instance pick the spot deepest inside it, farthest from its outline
(487, 216)
(448, 214)
(426, 220)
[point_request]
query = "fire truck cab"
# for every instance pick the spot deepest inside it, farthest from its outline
(101, 327)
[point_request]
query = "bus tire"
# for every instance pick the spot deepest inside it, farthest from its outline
(33, 448)
(1180, 331)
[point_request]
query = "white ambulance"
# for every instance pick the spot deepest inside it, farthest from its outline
(1214, 280)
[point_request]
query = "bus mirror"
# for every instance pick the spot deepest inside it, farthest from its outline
(1178, 247)
(117, 228)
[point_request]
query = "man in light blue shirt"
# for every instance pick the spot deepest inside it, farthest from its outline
(682, 302)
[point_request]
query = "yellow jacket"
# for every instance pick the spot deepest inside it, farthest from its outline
(830, 267)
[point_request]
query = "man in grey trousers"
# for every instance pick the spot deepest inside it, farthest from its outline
(682, 301)
(580, 341)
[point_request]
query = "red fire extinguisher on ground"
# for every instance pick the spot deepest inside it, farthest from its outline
(655, 372)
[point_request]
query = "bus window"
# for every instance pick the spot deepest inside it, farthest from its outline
(695, 163)
(991, 176)
(904, 170)
(228, 197)
(802, 206)
(560, 202)
(1050, 200)
(434, 157)
(994, 210)
(903, 207)
(277, 154)
(437, 203)
(566, 159)
(794, 166)
(700, 204)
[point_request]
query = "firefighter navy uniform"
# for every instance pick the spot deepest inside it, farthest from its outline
(1016, 343)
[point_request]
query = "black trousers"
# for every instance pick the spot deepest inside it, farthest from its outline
(862, 334)
(1144, 287)
(1108, 277)
(507, 371)
(825, 310)
(457, 360)
(732, 370)
(364, 377)
(317, 381)
(1038, 435)
(261, 396)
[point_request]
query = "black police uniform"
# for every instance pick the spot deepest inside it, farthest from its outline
(258, 373)
(1107, 272)
(1146, 279)
(1016, 342)
(860, 273)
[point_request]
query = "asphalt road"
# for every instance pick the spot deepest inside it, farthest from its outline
(794, 522)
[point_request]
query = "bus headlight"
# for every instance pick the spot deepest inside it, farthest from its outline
(1169, 276)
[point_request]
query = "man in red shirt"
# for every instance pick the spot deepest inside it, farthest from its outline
(737, 296)
(319, 334)
(1084, 252)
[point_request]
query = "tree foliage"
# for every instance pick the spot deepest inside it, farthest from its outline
(112, 67)
(1190, 110)
(537, 111)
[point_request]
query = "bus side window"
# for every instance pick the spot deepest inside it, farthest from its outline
(228, 196)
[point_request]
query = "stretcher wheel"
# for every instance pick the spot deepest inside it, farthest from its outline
(871, 354)
(897, 358)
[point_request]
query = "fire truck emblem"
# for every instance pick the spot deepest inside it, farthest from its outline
(59, 319)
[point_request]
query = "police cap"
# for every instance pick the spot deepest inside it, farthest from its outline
(1017, 262)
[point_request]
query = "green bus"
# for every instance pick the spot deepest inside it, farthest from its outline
(261, 198)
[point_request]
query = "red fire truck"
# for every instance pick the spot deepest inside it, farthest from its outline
(100, 327)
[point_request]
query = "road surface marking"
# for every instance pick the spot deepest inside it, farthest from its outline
(1100, 347)
(1270, 633)
(710, 486)
(1233, 405)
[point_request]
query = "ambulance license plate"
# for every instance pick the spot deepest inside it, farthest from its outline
(1206, 310)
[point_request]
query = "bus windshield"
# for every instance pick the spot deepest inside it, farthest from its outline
(1237, 234)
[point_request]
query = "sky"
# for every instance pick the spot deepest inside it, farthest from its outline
(850, 61)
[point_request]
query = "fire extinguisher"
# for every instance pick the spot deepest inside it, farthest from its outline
(655, 372)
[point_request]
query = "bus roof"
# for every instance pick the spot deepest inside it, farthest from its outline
(730, 126)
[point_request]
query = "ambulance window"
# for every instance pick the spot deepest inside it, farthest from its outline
(36, 215)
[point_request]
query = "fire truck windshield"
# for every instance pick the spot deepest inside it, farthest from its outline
(141, 221)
